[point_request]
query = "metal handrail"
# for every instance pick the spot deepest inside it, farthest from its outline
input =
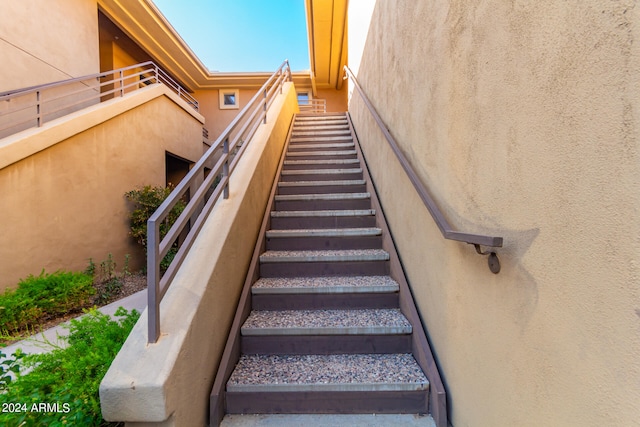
(35, 105)
(448, 232)
(225, 152)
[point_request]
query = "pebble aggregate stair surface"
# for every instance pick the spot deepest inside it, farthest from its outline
(325, 334)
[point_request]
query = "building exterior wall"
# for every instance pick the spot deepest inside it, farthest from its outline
(43, 41)
(521, 118)
(63, 185)
(218, 119)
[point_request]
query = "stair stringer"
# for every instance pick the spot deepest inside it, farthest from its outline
(421, 347)
(231, 353)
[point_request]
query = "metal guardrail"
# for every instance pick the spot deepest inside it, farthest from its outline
(225, 152)
(314, 105)
(477, 240)
(33, 106)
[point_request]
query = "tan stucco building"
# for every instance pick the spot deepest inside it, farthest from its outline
(521, 119)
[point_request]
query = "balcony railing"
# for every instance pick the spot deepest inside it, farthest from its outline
(448, 232)
(314, 105)
(225, 152)
(33, 106)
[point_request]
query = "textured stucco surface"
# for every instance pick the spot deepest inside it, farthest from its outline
(169, 382)
(33, 53)
(63, 184)
(522, 119)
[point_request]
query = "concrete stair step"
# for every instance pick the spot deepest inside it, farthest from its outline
(321, 174)
(345, 138)
(326, 322)
(319, 163)
(325, 293)
(323, 239)
(354, 262)
(333, 373)
(324, 285)
(325, 232)
(321, 119)
(321, 132)
(323, 218)
(320, 154)
(322, 201)
(277, 257)
(295, 147)
(298, 127)
(316, 187)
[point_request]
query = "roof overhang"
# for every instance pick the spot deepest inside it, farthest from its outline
(144, 23)
(327, 31)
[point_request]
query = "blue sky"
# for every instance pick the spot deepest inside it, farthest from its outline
(241, 35)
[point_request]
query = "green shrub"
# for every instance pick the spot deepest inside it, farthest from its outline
(40, 297)
(147, 200)
(67, 376)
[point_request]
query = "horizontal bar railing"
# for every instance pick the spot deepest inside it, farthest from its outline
(224, 153)
(314, 105)
(33, 106)
(478, 240)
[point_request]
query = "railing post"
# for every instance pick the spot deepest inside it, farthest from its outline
(264, 106)
(225, 166)
(121, 83)
(38, 117)
(153, 280)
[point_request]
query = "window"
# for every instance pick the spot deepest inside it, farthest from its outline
(303, 98)
(229, 99)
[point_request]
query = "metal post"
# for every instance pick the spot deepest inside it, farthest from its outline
(264, 106)
(225, 167)
(38, 119)
(153, 281)
(121, 83)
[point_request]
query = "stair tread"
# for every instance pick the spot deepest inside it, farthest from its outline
(322, 153)
(324, 285)
(321, 171)
(325, 232)
(323, 196)
(321, 131)
(321, 162)
(325, 256)
(321, 138)
(320, 183)
(352, 372)
(320, 145)
(326, 322)
(324, 213)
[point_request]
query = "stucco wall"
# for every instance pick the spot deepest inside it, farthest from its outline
(43, 41)
(522, 119)
(63, 185)
(218, 119)
(168, 382)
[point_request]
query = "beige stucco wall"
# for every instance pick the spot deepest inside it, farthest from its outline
(63, 185)
(218, 119)
(43, 41)
(522, 118)
(169, 382)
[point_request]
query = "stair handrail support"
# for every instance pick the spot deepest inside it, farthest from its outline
(447, 231)
(230, 145)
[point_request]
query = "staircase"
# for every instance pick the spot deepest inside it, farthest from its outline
(322, 330)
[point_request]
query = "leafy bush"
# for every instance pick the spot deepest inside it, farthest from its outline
(69, 377)
(38, 298)
(147, 200)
